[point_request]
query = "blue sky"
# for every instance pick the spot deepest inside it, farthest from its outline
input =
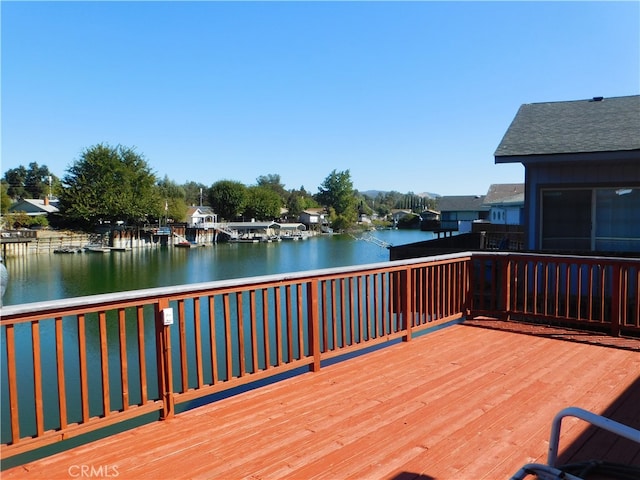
(408, 96)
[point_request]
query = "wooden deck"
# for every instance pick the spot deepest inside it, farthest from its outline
(463, 402)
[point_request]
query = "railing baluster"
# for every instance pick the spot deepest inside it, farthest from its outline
(213, 341)
(288, 301)
(254, 331)
(360, 317)
(227, 336)
(278, 325)
(624, 295)
(525, 300)
(266, 329)
(242, 363)
(300, 320)
(432, 293)
(579, 306)
(343, 312)
(536, 268)
(616, 300)
(312, 312)
(334, 315)
(637, 299)
(104, 360)
(449, 289)
(590, 287)
(351, 312)
(37, 376)
(324, 315)
(602, 293)
(406, 304)
(376, 305)
(12, 372)
(198, 341)
(567, 293)
(182, 342)
(142, 358)
(62, 394)
(124, 375)
(557, 290)
(545, 298)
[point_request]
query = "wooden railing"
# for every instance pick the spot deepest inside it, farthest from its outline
(593, 292)
(74, 366)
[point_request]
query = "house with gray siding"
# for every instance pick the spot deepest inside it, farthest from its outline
(582, 173)
(458, 212)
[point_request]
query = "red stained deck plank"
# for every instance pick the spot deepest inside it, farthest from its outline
(459, 403)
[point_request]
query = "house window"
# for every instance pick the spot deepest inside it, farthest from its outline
(591, 219)
(617, 220)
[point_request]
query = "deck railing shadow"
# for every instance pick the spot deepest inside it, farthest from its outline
(75, 366)
(596, 443)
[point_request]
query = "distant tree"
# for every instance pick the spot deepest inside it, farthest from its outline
(30, 182)
(262, 203)
(273, 182)
(228, 197)
(172, 197)
(409, 221)
(22, 220)
(109, 184)
(196, 193)
(337, 194)
(5, 199)
(298, 201)
(16, 181)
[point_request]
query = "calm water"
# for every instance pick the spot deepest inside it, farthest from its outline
(36, 278)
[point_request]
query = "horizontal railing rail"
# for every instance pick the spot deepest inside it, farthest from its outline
(73, 366)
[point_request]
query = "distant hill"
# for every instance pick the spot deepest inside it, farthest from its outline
(374, 193)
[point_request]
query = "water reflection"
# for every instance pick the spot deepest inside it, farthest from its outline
(54, 276)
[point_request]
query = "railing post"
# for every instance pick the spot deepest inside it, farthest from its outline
(471, 279)
(313, 319)
(506, 287)
(163, 356)
(407, 312)
(616, 301)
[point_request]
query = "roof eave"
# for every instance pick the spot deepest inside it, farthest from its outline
(623, 155)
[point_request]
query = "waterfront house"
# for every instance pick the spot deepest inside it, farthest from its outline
(315, 219)
(35, 206)
(458, 212)
(582, 173)
(397, 214)
(506, 203)
(201, 217)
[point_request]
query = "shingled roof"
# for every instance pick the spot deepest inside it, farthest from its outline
(462, 203)
(582, 126)
(505, 194)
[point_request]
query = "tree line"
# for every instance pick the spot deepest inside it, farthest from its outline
(116, 184)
